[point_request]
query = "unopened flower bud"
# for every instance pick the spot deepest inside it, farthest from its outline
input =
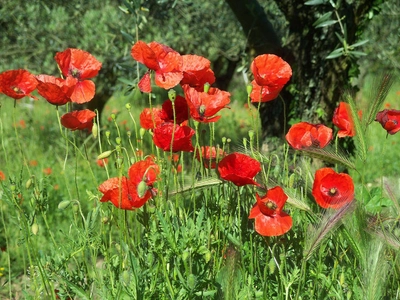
(95, 130)
(126, 277)
(75, 207)
(223, 140)
(249, 89)
(105, 154)
(108, 134)
(64, 204)
(118, 140)
(206, 87)
(35, 228)
(251, 134)
(172, 95)
(128, 106)
(113, 116)
(29, 182)
(142, 131)
(142, 189)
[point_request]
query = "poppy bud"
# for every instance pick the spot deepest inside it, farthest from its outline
(105, 154)
(29, 182)
(228, 140)
(128, 106)
(172, 95)
(249, 89)
(95, 130)
(105, 220)
(119, 162)
(185, 255)
(191, 281)
(108, 134)
(271, 266)
(64, 204)
(141, 189)
(75, 207)
(223, 140)
(35, 228)
(251, 135)
(342, 278)
(142, 131)
(113, 116)
(126, 277)
(206, 87)
(118, 140)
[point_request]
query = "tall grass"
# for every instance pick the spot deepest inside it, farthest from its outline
(194, 239)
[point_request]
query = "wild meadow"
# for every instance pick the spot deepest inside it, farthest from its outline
(173, 192)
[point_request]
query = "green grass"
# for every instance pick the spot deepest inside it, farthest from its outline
(193, 244)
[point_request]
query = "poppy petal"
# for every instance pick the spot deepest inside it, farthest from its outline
(84, 91)
(145, 83)
(142, 53)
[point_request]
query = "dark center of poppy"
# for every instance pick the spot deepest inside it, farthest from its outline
(202, 110)
(332, 191)
(17, 90)
(271, 205)
(74, 73)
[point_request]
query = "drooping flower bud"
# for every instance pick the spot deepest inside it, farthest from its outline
(105, 154)
(95, 130)
(64, 204)
(142, 189)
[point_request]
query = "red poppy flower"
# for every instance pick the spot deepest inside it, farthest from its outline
(239, 168)
(203, 106)
(271, 73)
(81, 65)
(134, 192)
(166, 62)
(304, 135)
(181, 110)
(2, 176)
(78, 120)
(17, 83)
(210, 155)
(56, 91)
(181, 135)
(102, 162)
(264, 93)
(389, 119)
(270, 220)
(47, 171)
(150, 118)
(343, 120)
(196, 71)
(270, 70)
(331, 189)
(145, 83)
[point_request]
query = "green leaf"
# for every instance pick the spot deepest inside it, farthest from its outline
(357, 53)
(360, 43)
(128, 37)
(315, 2)
(335, 53)
(323, 18)
(326, 23)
